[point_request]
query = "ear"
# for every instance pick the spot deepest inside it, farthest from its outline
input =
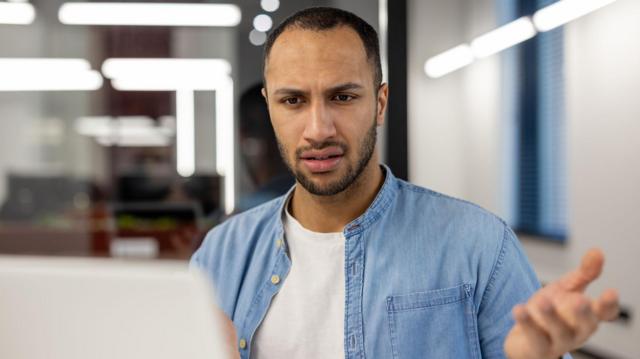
(382, 100)
(264, 93)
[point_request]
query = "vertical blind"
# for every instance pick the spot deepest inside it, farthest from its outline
(540, 202)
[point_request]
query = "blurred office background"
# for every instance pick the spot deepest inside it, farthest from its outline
(145, 136)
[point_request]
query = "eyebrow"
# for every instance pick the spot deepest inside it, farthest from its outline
(342, 87)
(345, 87)
(288, 91)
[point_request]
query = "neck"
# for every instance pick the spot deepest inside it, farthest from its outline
(332, 213)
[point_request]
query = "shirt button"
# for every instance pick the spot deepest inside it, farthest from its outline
(275, 279)
(279, 243)
(243, 343)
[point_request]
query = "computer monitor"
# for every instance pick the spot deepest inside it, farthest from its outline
(103, 308)
(32, 197)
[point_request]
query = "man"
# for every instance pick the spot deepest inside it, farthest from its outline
(355, 263)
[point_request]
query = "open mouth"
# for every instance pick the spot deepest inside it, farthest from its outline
(323, 160)
(322, 164)
(320, 158)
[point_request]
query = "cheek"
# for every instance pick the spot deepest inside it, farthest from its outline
(356, 129)
(288, 135)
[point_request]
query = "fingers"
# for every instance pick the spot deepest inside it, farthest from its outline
(590, 269)
(566, 320)
(536, 336)
(607, 307)
(547, 318)
(576, 311)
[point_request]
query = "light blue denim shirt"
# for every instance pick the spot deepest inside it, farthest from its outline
(426, 275)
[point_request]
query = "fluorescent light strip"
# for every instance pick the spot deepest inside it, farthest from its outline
(545, 19)
(148, 140)
(16, 13)
(43, 74)
(166, 74)
(79, 81)
(26, 65)
(134, 67)
(564, 11)
(185, 133)
(449, 61)
(503, 37)
(149, 14)
(172, 83)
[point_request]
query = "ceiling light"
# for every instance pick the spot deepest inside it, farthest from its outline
(121, 67)
(562, 12)
(262, 22)
(449, 61)
(503, 37)
(42, 74)
(149, 140)
(16, 13)
(137, 74)
(149, 14)
(270, 5)
(257, 38)
(18, 64)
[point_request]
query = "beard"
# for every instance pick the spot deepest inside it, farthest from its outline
(365, 151)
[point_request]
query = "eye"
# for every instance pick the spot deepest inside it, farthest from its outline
(343, 98)
(291, 100)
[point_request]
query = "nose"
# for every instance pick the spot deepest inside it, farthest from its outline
(320, 125)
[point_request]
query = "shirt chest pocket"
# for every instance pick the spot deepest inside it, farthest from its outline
(437, 323)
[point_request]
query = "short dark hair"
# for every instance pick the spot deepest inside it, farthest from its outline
(326, 18)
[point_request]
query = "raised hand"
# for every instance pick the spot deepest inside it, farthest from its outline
(560, 317)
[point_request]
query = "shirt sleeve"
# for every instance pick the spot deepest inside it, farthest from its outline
(512, 281)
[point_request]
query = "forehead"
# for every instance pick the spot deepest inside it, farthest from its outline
(301, 57)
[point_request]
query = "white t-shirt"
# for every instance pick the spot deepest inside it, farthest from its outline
(306, 317)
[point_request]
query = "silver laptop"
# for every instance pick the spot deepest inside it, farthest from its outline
(100, 308)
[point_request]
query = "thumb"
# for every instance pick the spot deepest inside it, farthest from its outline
(590, 269)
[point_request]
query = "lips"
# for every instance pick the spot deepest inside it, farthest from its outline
(322, 161)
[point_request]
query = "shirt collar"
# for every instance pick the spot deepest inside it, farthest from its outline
(376, 209)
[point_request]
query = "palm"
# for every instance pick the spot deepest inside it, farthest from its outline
(560, 317)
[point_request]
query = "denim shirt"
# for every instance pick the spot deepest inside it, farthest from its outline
(426, 275)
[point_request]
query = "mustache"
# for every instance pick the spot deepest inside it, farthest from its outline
(321, 146)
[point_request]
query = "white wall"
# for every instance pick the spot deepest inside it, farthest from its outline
(457, 138)
(453, 122)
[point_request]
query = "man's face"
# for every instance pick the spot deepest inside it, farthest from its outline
(323, 106)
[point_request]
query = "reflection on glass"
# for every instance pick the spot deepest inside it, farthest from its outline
(119, 132)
